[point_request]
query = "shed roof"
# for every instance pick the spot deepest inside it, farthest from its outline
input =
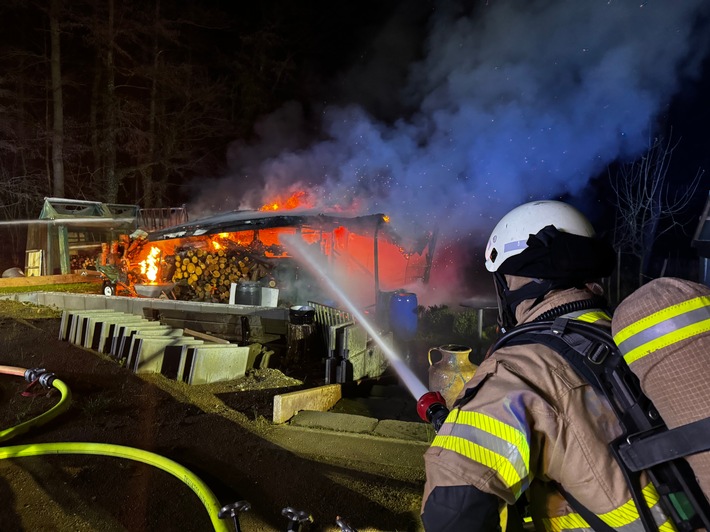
(89, 213)
(245, 220)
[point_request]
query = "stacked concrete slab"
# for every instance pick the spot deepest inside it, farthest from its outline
(353, 354)
(146, 346)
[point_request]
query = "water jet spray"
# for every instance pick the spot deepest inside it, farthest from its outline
(410, 380)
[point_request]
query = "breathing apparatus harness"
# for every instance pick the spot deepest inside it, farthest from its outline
(646, 443)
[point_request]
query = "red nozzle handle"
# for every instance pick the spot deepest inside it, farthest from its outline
(426, 401)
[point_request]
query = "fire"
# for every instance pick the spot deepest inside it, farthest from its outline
(149, 266)
(297, 199)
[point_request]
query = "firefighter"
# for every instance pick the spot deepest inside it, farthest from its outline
(527, 431)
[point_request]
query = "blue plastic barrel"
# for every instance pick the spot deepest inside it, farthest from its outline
(403, 315)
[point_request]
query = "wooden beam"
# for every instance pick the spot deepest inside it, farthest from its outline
(205, 336)
(38, 280)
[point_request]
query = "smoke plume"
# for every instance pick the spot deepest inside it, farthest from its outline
(509, 102)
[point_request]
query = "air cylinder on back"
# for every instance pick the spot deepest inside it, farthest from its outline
(663, 331)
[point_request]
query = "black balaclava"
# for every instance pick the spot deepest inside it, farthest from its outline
(553, 260)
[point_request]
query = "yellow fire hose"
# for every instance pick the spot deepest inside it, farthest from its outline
(119, 451)
(43, 418)
(201, 489)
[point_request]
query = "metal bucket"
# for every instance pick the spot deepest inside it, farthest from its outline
(301, 314)
(248, 293)
(153, 290)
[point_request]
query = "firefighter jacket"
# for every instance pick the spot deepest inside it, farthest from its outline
(527, 424)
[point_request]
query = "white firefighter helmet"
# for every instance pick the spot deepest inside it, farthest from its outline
(510, 236)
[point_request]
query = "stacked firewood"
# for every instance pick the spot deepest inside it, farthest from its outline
(208, 275)
(82, 262)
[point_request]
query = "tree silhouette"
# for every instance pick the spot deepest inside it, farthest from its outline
(644, 198)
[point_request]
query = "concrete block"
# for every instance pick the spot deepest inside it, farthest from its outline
(357, 338)
(129, 351)
(138, 354)
(371, 362)
(215, 363)
(321, 399)
(138, 304)
(404, 430)
(74, 302)
(71, 323)
(174, 356)
(122, 329)
(90, 325)
(254, 350)
(119, 304)
(333, 421)
(95, 302)
(123, 342)
(84, 324)
(149, 352)
(52, 299)
(64, 325)
(108, 327)
(269, 296)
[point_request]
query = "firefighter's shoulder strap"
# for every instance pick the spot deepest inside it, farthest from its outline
(646, 443)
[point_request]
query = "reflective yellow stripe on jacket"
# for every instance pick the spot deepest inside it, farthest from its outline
(663, 328)
(625, 518)
(589, 316)
(490, 442)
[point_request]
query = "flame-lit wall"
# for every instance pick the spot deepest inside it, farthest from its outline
(350, 256)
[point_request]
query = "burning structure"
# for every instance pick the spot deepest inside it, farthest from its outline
(205, 257)
(202, 260)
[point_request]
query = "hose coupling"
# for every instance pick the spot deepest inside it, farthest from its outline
(34, 374)
(47, 379)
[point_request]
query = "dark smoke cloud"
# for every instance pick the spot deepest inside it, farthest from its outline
(511, 101)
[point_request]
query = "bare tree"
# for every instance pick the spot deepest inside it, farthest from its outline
(57, 105)
(644, 198)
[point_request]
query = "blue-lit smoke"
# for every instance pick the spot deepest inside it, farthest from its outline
(512, 101)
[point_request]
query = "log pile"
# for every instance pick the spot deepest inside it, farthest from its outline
(203, 275)
(82, 262)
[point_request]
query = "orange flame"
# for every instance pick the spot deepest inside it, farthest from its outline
(297, 199)
(149, 266)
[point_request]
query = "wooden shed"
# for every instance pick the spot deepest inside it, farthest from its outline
(69, 231)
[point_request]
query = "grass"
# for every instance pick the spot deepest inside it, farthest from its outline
(96, 405)
(25, 310)
(77, 288)
(20, 310)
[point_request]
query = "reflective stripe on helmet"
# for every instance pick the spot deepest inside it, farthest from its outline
(625, 517)
(664, 328)
(513, 246)
(489, 442)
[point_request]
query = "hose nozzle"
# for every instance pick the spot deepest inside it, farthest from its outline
(432, 408)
